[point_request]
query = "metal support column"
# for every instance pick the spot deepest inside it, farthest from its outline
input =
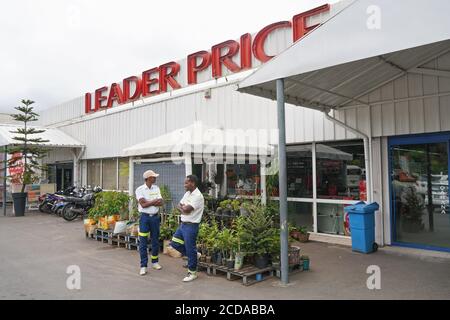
(282, 182)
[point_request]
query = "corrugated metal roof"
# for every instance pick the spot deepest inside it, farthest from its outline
(57, 138)
(344, 59)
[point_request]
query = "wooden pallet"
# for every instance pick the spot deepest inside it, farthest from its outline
(249, 274)
(120, 240)
(90, 236)
(102, 235)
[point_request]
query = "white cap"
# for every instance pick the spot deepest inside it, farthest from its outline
(150, 173)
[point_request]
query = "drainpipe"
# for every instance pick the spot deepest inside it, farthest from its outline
(367, 151)
(76, 164)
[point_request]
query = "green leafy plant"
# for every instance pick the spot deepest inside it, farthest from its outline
(257, 232)
(169, 225)
(167, 197)
(226, 240)
(27, 147)
(109, 203)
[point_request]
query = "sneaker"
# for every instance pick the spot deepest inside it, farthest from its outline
(190, 277)
(156, 266)
(143, 271)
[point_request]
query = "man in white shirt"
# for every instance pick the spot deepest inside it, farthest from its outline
(185, 238)
(149, 198)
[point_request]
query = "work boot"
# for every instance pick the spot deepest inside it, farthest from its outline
(143, 271)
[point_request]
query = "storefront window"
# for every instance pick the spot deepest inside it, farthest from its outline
(419, 185)
(243, 179)
(341, 171)
(109, 174)
(124, 172)
(300, 214)
(93, 172)
(299, 171)
(332, 219)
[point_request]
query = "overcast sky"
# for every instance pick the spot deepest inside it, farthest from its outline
(55, 50)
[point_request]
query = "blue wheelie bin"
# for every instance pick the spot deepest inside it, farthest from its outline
(362, 226)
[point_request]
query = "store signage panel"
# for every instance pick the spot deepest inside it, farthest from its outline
(235, 56)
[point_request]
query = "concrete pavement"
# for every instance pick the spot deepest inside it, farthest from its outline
(36, 250)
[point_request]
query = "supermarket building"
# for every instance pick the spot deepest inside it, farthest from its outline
(389, 144)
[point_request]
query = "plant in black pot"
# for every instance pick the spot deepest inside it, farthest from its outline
(228, 239)
(26, 153)
(258, 234)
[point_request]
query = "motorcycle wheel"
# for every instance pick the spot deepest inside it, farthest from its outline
(59, 211)
(43, 207)
(68, 214)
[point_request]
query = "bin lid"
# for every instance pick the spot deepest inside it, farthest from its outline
(362, 207)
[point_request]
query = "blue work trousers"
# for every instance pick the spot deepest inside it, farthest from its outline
(185, 241)
(148, 226)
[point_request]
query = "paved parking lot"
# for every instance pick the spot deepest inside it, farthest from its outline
(36, 250)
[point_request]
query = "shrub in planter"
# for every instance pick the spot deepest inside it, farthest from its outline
(258, 234)
(304, 235)
(261, 261)
(25, 154)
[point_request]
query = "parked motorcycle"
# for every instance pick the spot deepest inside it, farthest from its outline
(49, 200)
(76, 206)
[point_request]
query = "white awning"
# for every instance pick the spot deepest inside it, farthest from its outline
(200, 139)
(366, 45)
(322, 152)
(56, 137)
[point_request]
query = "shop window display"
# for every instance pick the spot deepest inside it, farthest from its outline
(341, 171)
(109, 174)
(93, 172)
(299, 173)
(243, 179)
(300, 214)
(332, 219)
(124, 172)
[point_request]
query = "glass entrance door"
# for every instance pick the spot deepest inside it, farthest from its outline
(419, 189)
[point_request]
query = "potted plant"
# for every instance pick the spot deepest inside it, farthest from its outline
(294, 232)
(168, 228)
(227, 237)
(259, 234)
(211, 240)
(25, 154)
(239, 256)
(226, 207)
(303, 234)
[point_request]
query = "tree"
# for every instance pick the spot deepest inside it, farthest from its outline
(28, 149)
